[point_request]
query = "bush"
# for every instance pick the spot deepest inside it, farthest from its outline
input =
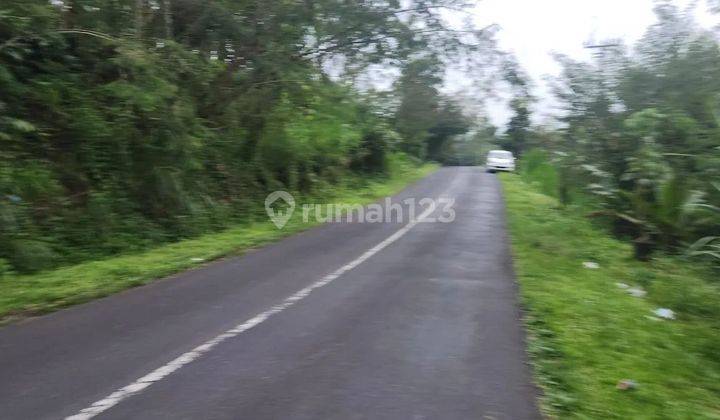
(29, 256)
(536, 168)
(5, 268)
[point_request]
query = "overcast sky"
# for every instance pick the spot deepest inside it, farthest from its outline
(533, 29)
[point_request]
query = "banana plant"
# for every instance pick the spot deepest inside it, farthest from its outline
(654, 204)
(708, 246)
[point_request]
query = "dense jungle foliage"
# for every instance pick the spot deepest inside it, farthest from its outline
(128, 123)
(639, 141)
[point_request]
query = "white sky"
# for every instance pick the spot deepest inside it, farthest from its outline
(533, 29)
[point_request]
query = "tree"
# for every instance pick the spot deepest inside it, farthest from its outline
(420, 99)
(518, 129)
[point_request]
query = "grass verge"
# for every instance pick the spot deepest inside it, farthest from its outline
(586, 333)
(21, 296)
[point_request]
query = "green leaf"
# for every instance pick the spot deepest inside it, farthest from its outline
(22, 126)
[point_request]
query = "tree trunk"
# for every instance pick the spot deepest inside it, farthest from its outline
(643, 247)
(69, 12)
(139, 18)
(167, 17)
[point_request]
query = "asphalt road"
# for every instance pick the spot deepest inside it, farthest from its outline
(345, 321)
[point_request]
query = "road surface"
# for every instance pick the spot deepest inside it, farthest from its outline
(345, 321)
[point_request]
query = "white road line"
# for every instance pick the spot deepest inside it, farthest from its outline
(161, 372)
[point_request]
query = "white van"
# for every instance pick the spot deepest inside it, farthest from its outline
(500, 160)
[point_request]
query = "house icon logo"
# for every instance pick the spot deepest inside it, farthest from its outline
(280, 206)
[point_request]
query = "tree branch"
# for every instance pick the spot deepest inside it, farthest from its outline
(87, 32)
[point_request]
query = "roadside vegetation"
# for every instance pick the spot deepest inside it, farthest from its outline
(615, 218)
(638, 141)
(593, 331)
(141, 137)
(33, 294)
(130, 124)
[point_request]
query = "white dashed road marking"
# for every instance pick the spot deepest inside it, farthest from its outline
(158, 374)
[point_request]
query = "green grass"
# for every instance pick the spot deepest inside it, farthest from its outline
(586, 334)
(21, 296)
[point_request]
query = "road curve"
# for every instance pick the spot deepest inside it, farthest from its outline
(364, 321)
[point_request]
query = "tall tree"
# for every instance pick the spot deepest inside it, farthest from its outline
(518, 129)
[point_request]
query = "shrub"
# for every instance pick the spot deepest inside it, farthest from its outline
(30, 256)
(536, 168)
